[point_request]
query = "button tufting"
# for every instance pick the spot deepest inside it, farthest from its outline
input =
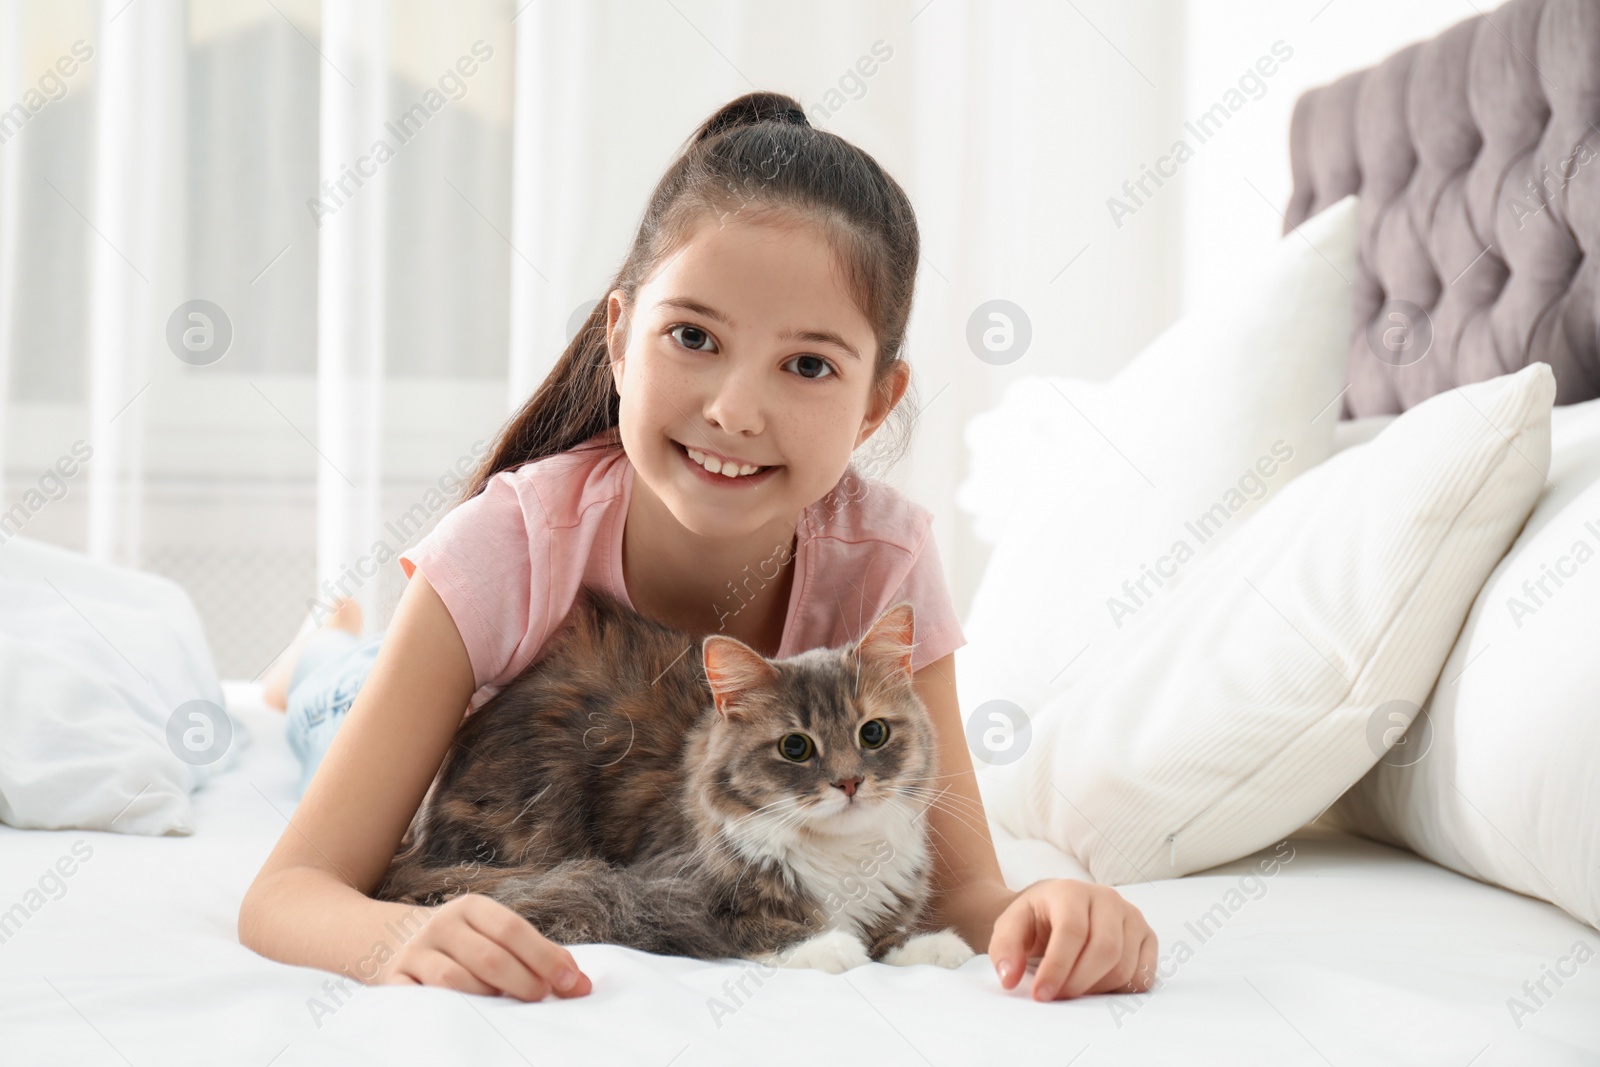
(1424, 135)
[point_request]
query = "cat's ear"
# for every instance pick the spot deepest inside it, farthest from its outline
(889, 640)
(733, 668)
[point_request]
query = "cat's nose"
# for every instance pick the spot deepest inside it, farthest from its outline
(848, 785)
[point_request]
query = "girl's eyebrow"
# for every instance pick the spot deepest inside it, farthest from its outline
(818, 337)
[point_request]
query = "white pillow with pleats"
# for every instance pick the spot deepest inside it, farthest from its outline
(1497, 778)
(1099, 496)
(1268, 682)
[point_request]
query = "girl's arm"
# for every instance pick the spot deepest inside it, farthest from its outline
(969, 891)
(1089, 938)
(310, 903)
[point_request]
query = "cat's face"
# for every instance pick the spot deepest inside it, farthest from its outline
(833, 741)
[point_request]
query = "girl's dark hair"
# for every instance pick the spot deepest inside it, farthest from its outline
(759, 157)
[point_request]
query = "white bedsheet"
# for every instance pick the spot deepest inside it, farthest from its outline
(1350, 953)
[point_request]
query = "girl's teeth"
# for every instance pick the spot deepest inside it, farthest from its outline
(715, 465)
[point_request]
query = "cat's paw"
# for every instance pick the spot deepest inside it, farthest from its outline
(834, 951)
(942, 949)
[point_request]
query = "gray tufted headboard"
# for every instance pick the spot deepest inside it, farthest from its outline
(1476, 158)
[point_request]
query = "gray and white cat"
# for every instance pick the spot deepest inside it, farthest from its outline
(719, 805)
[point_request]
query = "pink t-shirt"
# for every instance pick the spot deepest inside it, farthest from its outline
(508, 562)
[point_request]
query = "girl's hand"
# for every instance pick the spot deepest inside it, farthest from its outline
(1091, 941)
(476, 944)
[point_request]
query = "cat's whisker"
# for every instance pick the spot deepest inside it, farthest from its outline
(943, 803)
(736, 826)
(951, 802)
(528, 805)
(930, 778)
(707, 845)
(781, 800)
(952, 776)
(973, 807)
(934, 830)
(702, 848)
(784, 820)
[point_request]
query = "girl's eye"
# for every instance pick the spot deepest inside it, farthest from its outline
(693, 331)
(818, 367)
(694, 337)
(874, 732)
(796, 747)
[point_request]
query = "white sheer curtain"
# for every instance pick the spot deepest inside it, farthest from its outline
(382, 316)
(351, 287)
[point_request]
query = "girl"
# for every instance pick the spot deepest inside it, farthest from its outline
(689, 454)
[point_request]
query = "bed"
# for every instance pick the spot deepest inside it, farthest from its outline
(1326, 949)
(1322, 948)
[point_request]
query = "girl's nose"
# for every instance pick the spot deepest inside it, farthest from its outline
(735, 404)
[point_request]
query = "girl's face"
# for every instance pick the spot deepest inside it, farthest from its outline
(743, 350)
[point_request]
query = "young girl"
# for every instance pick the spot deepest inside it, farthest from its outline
(688, 454)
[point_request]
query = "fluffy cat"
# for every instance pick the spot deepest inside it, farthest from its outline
(718, 805)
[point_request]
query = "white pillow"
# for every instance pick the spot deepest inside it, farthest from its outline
(1085, 485)
(1243, 706)
(1033, 420)
(1352, 432)
(110, 707)
(1497, 779)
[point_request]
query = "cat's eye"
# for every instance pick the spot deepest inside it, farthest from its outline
(796, 747)
(874, 732)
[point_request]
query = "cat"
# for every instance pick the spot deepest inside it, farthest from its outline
(719, 805)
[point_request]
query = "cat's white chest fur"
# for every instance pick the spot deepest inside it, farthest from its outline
(854, 878)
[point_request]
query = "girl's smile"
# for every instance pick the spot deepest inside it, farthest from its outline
(747, 474)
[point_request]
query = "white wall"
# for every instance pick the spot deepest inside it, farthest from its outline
(1238, 183)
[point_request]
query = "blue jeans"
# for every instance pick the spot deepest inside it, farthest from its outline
(322, 687)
